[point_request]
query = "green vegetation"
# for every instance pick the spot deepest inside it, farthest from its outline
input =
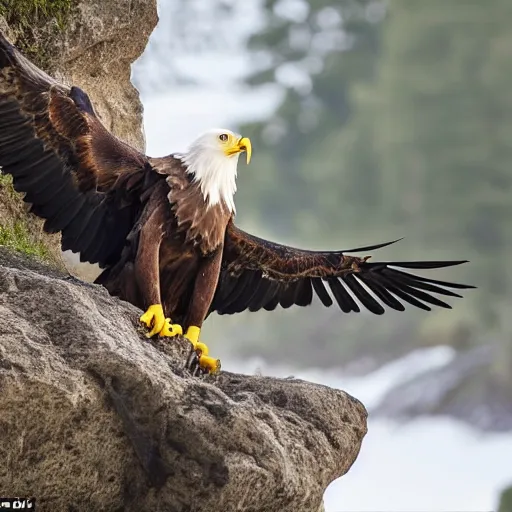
(16, 230)
(6, 185)
(19, 238)
(24, 13)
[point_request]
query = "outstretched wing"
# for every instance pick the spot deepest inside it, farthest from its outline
(75, 174)
(260, 274)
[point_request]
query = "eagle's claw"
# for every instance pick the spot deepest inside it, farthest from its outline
(155, 320)
(199, 357)
(207, 363)
(199, 364)
(169, 330)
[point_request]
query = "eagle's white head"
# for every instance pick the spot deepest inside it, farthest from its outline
(212, 158)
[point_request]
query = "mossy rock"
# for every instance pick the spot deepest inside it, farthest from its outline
(24, 232)
(36, 22)
(25, 12)
(34, 26)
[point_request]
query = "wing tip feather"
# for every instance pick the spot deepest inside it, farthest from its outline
(372, 247)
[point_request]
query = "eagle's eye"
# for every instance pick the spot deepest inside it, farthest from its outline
(223, 137)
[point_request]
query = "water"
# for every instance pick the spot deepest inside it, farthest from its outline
(429, 464)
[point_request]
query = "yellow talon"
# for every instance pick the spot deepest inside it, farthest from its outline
(192, 335)
(155, 317)
(201, 347)
(205, 361)
(210, 364)
(169, 330)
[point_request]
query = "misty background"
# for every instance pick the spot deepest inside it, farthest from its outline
(370, 120)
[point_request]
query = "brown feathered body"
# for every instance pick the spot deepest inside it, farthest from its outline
(146, 221)
(191, 235)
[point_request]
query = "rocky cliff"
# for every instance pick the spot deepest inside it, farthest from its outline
(96, 417)
(91, 44)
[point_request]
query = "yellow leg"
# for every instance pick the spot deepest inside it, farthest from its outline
(205, 361)
(155, 320)
(192, 335)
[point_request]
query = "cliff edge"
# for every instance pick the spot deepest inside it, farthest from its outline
(96, 417)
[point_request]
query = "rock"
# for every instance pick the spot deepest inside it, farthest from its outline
(96, 417)
(91, 45)
(96, 52)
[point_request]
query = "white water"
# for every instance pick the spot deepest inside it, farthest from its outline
(435, 465)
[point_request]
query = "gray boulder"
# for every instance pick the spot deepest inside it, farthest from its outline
(96, 417)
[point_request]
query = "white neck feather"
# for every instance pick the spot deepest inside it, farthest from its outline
(215, 173)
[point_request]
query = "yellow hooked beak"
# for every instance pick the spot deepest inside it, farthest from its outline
(243, 144)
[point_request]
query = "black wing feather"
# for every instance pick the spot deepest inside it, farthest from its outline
(397, 290)
(51, 143)
(364, 297)
(344, 299)
(321, 292)
(268, 291)
(381, 292)
(304, 295)
(288, 276)
(260, 295)
(272, 303)
(409, 280)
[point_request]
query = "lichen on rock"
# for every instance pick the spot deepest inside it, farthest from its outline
(96, 417)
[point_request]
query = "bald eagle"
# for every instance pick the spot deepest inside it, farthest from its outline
(162, 229)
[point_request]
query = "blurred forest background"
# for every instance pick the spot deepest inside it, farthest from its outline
(397, 121)
(394, 120)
